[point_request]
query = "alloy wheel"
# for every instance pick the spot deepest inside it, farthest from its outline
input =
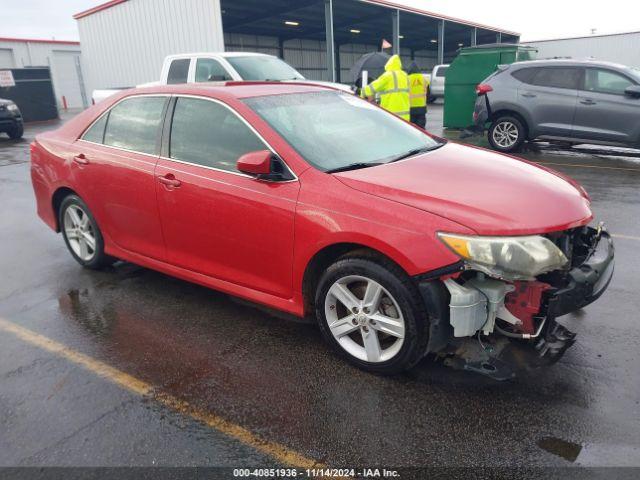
(365, 319)
(79, 232)
(505, 134)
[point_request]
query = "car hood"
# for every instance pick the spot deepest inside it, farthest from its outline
(490, 193)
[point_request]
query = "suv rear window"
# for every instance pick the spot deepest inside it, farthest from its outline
(557, 77)
(525, 74)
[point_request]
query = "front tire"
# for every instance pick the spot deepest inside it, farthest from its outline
(16, 132)
(507, 134)
(371, 313)
(81, 234)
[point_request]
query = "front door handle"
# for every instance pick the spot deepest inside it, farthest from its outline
(169, 180)
(80, 159)
(587, 101)
(529, 95)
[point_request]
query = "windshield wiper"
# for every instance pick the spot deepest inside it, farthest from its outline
(353, 166)
(415, 151)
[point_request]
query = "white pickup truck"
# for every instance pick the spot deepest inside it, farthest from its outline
(223, 66)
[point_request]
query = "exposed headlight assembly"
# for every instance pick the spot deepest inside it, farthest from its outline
(12, 107)
(509, 258)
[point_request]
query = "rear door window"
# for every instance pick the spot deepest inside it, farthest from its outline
(606, 81)
(178, 71)
(442, 72)
(134, 124)
(525, 75)
(207, 133)
(210, 70)
(558, 77)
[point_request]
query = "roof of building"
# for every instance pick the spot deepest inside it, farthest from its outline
(38, 40)
(584, 36)
(384, 3)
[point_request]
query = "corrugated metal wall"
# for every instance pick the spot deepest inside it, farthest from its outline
(623, 48)
(59, 57)
(125, 45)
(309, 56)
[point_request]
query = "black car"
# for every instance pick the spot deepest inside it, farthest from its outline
(11, 119)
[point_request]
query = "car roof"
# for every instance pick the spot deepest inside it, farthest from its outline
(233, 89)
(570, 62)
(218, 54)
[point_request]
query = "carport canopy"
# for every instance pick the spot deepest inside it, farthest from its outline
(340, 22)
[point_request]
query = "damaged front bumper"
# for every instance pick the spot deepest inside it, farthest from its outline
(501, 354)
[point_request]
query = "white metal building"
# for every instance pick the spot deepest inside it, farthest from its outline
(621, 48)
(125, 41)
(62, 57)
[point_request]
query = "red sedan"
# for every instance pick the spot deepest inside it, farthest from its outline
(315, 202)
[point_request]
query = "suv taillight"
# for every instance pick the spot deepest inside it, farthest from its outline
(483, 89)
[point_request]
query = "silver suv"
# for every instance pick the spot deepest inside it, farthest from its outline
(560, 100)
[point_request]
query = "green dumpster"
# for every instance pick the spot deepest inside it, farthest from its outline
(468, 69)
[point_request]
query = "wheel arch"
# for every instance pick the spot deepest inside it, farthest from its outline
(328, 255)
(56, 201)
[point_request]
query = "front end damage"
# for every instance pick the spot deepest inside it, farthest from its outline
(499, 327)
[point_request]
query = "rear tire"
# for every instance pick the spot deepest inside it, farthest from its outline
(507, 134)
(81, 234)
(383, 302)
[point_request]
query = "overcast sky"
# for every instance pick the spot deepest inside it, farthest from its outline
(535, 20)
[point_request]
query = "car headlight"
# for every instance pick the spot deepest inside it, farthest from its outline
(509, 258)
(12, 107)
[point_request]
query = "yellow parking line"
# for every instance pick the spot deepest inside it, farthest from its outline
(277, 451)
(627, 237)
(578, 165)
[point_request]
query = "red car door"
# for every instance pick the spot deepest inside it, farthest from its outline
(115, 161)
(217, 221)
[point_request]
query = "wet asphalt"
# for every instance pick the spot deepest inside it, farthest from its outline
(276, 378)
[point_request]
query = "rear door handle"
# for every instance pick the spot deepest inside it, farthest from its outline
(169, 180)
(80, 159)
(587, 101)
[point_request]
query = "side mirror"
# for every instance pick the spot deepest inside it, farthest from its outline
(264, 165)
(255, 163)
(218, 78)
(633, 91)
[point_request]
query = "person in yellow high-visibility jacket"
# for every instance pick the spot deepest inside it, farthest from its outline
(418, 89)
(392, 87)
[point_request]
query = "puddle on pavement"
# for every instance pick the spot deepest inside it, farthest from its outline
(567, 450)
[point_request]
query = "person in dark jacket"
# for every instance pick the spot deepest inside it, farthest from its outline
(418, 88)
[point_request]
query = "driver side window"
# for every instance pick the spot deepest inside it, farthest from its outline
(606, 81)
(206, 133)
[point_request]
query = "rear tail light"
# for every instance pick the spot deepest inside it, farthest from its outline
(483, 89)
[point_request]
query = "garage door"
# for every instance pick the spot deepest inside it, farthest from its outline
(6, 58)
(66, 81)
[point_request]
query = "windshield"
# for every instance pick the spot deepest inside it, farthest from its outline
(258, 68)
(442, 72)
(332, 130)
